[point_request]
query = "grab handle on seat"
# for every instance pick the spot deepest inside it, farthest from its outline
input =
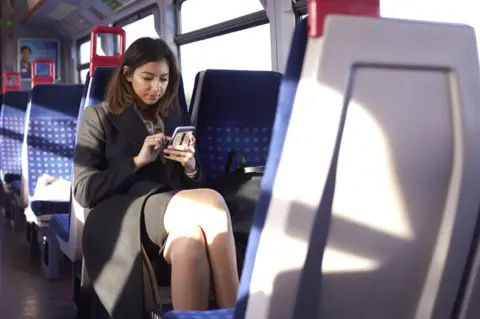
(98, 60)
(319, 9)
(11, 87)
(43, 79)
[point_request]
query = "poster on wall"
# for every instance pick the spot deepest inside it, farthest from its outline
(31, 49)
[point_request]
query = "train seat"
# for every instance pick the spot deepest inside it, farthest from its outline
(13, 126)
(406, 195)
(49, 142)
(49, 148)
(60, 223)
(286, 98)
(98, 85)
(233, 109)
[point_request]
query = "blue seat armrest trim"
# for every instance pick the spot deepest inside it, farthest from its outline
(209, 314)
(42, 207)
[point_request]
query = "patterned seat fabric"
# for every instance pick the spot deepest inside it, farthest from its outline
(60, 224)
(50, 140)
(235, 110)
(13, 125)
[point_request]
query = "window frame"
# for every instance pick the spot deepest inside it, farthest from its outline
(132, 18)
(247, 21)
(81, 67)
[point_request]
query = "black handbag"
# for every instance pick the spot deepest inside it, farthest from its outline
(240, 189)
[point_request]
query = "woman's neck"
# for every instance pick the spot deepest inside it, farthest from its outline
(147, 111)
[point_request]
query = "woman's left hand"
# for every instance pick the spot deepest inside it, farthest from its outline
(184, 154)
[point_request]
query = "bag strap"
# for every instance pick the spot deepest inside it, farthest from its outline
(152, 300)
(242, 163)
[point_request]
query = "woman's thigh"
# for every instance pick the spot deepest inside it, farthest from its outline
(204, 207)
(153, 232)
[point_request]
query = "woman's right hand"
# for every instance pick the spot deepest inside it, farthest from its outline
(152, 147)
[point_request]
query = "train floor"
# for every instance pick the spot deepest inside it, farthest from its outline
(25, 293)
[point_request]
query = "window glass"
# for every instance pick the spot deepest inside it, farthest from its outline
(83, 75)
(247, 49)
(198, 14)
(85, 52)
(141, 28)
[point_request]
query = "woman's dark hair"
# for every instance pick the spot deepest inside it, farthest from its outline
(25, 48)
(120, 93)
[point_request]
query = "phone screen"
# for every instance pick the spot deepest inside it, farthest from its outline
(181, 138)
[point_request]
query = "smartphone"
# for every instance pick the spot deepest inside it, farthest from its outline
(181, 135)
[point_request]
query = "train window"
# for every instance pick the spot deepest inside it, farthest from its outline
(144, 27)
(213, 12)
(84, 53)
(248, 49)
(84, 58)
(83, 75)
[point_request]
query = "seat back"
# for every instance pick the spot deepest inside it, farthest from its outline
(388, 209)
(52, 122)
(12, 124)
(234, 110)
(467, 299)
(98, 85)
(73, 246)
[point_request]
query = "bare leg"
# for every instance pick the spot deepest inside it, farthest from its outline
(185, 250)
(207, 209)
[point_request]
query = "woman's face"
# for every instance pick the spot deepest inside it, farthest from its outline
(150, 81)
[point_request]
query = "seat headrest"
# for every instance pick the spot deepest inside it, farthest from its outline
(15, 103)
(229, 94)
(55, 100)
(98, 85)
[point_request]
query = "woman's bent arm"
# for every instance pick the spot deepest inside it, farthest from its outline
(94, 178)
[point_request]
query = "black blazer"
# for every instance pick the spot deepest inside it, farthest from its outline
(106, 146)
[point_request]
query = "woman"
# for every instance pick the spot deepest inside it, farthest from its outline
(138, 193)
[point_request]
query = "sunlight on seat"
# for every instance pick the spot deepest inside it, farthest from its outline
(336, 261)
(370, 196)
(79, 211)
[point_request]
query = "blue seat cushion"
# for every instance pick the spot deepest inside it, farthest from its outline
(209, 314)
(43, 207)
(17, 187)
(60, 225)
(9, 178)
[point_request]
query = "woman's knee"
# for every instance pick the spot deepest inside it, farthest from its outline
(205, 197)
(185, 243)
(204, 207)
